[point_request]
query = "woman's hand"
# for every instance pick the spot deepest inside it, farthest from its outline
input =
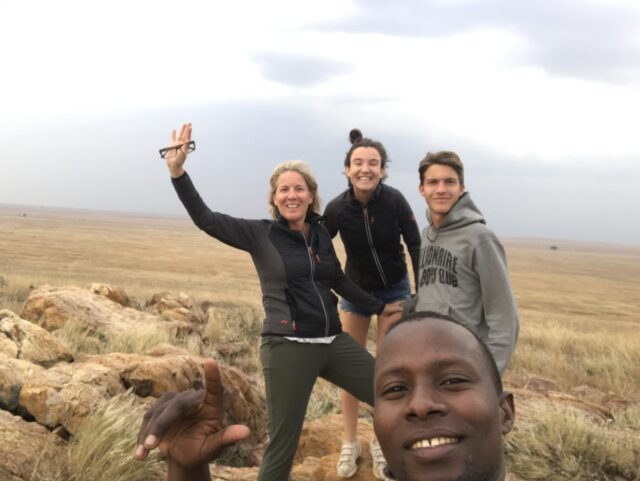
(187, 428)
(392, 310)
(176, 157)
(388, 317)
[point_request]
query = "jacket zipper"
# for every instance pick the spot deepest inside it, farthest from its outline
(313, 269)
(367, 229)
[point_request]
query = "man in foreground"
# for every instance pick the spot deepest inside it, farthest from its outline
(440, 411)
(463, 269)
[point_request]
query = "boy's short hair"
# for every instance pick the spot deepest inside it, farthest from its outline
(444, 157)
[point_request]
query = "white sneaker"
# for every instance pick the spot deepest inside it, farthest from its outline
(377, 458)
(348, 461)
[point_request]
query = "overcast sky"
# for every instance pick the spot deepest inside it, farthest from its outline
(539, 97)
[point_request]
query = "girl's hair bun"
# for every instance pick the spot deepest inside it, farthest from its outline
(355, 136)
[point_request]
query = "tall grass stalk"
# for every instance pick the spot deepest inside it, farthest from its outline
(104, 444)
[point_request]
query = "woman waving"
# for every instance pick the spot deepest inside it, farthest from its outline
(302, 337)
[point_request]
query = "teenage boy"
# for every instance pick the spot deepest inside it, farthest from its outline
(463, 270)
(440, 410)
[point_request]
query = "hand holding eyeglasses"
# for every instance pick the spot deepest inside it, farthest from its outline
(176, 153)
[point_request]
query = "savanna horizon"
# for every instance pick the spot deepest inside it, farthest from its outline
(578, 289)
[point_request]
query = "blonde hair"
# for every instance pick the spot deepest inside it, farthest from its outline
(301, 168)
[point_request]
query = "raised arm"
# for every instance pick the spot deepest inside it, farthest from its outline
(240, 233)
(187, 429)
(176, 154)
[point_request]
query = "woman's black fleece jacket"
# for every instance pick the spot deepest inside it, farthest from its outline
(371, 236)
(296, 274)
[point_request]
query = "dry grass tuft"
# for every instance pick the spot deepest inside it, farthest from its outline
(232, 333)
(234, 320)
(565, 445)
(13, 297)
(325, 399)
(629, 418)
(605, 359)
(104, 444)
(78, 338)
(138, 340)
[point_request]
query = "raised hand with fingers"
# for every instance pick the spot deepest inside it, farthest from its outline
(176, 153)
(187, 428)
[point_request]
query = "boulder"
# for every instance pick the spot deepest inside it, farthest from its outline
(66, 393)
(13, 372)
(244, 400)
(7, 346)
(152, 376)
(24, 340)
(164, 349)
(116, 294)
(51, 308)
(28, 451)
(176, 308)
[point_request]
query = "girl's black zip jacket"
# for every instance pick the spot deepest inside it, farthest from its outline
(296, 274)
(371, 236)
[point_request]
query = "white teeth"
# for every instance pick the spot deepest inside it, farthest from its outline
(293, 206)
(433, 442)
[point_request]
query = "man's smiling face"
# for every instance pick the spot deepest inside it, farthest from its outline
(438, 413)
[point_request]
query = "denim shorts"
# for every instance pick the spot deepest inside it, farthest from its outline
(400, 290)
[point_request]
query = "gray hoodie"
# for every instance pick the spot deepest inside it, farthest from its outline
(463, 273)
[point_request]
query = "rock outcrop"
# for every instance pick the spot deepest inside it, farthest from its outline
(115, 294)
(51, 308)
(13, 373)
(152, 376)
(28, 451)
(24, 340)
(176, 308)
(64, 394)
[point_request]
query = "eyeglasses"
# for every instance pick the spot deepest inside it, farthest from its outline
(164, 152)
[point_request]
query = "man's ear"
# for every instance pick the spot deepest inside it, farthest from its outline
(507, 412)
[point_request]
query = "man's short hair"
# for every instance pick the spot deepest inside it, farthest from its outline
(487, 357)
(444, 157)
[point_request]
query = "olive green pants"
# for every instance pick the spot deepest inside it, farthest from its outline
(290, 370)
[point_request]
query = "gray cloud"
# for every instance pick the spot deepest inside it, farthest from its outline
(298, 70)
(565, 37)
(113, 164)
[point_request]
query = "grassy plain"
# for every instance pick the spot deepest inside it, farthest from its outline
(579, 304)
